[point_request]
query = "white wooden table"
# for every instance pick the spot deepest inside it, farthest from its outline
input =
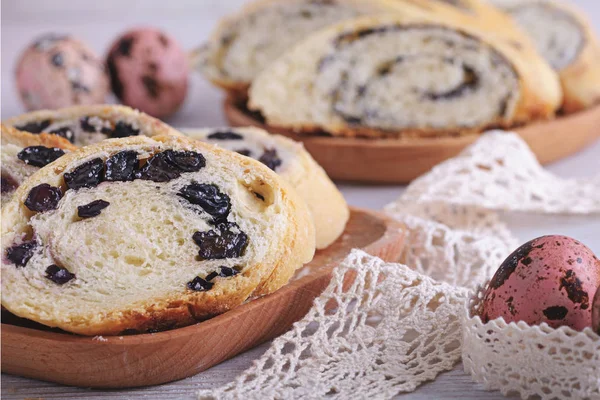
(190, 21)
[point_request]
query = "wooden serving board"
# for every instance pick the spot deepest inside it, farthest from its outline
(33, 351)
(402, 160)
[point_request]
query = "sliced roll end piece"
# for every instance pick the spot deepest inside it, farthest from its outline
(565, 38)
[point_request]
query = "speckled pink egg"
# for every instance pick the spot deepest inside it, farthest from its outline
(148, 71)
(551, 279)
(59, 71)
(596, 313)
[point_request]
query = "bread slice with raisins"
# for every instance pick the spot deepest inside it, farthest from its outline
(294, 164)
(403, 76)
(85, 125)
(565, 38)
(148, 234)
(24, 153)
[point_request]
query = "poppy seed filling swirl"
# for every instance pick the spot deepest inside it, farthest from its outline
(377, 78)
(558, 36)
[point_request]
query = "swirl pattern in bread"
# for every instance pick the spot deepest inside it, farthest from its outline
(24, 153)
(148, 234)
(401, 76)
(293, 163)
(84, 125)
(245, 43)
(566, 40)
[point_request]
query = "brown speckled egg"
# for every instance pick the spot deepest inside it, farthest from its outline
(596, 313)
(550, 279)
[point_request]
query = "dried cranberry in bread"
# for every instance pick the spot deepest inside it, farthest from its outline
(148, 233)
(84, 125)
(293, 163)
(24, 153)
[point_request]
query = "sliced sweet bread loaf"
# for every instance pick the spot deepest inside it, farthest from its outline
(404, 76)
(244, 44)
(566, 40)
(84, 125)
(148, 234)
(293, 163)
(24, 153)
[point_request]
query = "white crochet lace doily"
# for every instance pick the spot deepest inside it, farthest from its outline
(400, 325)
(530, 360)
(499, 172)
(390, 331)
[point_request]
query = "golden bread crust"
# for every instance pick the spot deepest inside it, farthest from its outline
(150, 126)
(286, 253)
(327, 205)
(26, 139)
(540, 91)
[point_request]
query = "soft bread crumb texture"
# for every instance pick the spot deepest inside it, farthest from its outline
(133, 261)
(14, 170)
(392, 78)
(327, 205)
(407, 75)
(12, 166)
(558, 36)
(566, 39)
(244, 44)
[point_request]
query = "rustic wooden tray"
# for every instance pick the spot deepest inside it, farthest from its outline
(402, 160)
(33, 351)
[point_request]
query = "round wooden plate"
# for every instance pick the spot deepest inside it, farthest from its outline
(33, 351)
(402, 160)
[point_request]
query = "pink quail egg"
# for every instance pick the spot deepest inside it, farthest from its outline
(550, 279)
(148, 71)
(60, 71)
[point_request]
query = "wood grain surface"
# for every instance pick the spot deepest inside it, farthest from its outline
(150, 359)
(450, 385)
(402, 160)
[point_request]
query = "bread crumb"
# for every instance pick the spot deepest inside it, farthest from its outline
(100, 339)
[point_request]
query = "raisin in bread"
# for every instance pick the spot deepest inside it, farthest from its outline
(148, 233)
(293, 163)
(566, 40)
(24, 153)
(404, 76)
(84, 125)
(244, 44)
